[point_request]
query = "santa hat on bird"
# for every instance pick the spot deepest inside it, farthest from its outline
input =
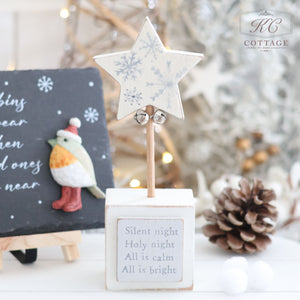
(71, 131)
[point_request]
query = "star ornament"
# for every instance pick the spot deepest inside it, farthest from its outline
(149, 73)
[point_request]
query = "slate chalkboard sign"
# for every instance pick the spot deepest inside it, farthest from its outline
(34, 105)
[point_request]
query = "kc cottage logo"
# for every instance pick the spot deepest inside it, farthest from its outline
(265, 30)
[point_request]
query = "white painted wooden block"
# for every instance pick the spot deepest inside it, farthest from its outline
(149, 241)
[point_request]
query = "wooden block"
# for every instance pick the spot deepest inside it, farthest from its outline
(149, 241)
(71, 252)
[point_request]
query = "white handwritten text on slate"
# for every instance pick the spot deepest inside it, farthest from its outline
(150, 250)
(7, 101)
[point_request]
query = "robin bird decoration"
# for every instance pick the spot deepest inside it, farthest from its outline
(72, 168)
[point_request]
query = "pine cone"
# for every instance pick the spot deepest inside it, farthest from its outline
(240, 223)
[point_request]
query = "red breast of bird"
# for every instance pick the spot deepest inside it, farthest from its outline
(67, 170)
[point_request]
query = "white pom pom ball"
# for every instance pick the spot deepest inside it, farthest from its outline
(283, 210)
(236, 262)
(218, 186)
(260, 276)
(277, 187)
(234, 181)
(75, 122)
(234, 281)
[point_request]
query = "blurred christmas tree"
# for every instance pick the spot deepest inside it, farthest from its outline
(240, 104)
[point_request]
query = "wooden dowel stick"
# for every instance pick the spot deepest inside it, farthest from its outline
(150, 153)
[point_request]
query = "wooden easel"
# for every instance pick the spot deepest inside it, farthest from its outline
(68, 241)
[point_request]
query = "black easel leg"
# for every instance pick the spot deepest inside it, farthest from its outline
(28, 257)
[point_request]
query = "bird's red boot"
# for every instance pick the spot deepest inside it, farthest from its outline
(75, 201)
(66, 193)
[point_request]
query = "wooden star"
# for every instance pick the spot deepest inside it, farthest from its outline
(149, 73)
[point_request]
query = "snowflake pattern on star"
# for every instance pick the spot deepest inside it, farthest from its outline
(132, 96)
(129, 66)
(45, 84)
(164, 84)
(91, 115)
(151, 46)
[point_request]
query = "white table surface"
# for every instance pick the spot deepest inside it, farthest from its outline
(50, 277)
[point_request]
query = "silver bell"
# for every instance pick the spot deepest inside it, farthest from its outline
(159, 117)
(141, 117)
